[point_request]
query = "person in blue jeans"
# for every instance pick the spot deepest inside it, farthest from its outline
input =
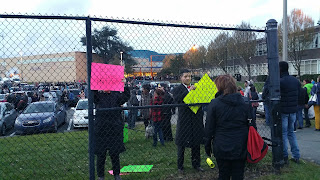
(302, 100)
(157, 116)
(289, 90)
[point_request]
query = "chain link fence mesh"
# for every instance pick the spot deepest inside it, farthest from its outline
(45, 93)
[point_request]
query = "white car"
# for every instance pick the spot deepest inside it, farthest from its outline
(50, 96)
(260, 108)
(80, 116)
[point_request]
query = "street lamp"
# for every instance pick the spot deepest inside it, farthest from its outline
(121, 62)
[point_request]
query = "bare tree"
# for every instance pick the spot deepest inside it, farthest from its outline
(300, 36)
(245, 42)
(196, 57)
(218, 51)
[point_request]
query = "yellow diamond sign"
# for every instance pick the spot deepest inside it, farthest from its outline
(204, 93)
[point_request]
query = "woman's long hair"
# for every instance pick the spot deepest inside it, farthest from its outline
(226, 84)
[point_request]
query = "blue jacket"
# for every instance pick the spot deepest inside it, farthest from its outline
(289, 89)
(316, 89)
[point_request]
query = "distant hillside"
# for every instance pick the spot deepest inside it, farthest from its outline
(146, 55)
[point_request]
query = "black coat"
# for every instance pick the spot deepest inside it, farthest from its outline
(227, 126)
(303, 97)
(168, 99)
(190, 129)
(109, 124)
(290, 89)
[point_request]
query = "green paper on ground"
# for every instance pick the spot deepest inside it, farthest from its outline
(136, 168)
(204, 93)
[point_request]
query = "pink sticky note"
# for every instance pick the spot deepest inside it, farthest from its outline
(107, 77)
(111, 172)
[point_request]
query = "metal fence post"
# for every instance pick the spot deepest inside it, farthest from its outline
(274, 89)
(90, 100)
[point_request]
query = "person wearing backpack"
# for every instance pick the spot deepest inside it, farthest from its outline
(254, 96)
(227, 128)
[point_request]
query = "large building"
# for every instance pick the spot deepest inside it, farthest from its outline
(71, 66)
(310, 63)
(61, 67)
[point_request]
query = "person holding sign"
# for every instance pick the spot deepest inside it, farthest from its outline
(190, 129)
(109, 129)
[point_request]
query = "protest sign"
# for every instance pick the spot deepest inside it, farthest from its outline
(204, 93)
(107, 77)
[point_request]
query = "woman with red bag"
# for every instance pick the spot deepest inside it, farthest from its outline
(227, 129)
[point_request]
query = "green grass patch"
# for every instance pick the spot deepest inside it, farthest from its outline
(65, 156)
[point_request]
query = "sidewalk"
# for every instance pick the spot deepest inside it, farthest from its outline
(308, 141)
(309, 144)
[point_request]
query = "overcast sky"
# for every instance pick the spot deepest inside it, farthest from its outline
(56, 36)
(232, 12)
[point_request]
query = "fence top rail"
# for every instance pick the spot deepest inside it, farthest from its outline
(126, 22)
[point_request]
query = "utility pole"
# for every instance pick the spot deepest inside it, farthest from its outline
(285, 32)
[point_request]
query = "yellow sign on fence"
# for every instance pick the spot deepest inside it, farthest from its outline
(204, 93)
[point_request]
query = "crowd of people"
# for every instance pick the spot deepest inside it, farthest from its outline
(225, 131)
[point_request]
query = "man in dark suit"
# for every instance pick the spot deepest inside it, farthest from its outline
(190, 128)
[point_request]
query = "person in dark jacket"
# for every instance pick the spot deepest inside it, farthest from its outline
(190, 129)
(109, 129)
(289, 90)
(145, 101)
(133, 113)
(167, 114)
(302, 101)
(227, 129)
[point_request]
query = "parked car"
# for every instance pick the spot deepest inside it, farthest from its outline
(260, 108)
(14, 89)
(41, 116)
(28, 88)
(8, 116)
(51, 96)
(80, 116)
(58, 92)
(3, 97)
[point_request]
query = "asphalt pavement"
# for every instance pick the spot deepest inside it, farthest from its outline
(309, 144)
(308, 141)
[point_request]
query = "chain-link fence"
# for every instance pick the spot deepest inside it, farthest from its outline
(139, 78)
